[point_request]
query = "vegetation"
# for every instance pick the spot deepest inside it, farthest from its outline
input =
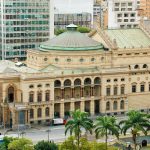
(7, 140)
(21, 144)
(45, 145)
(59, 31)
(137, 122)
(79, 119)
(80, 29)
(83, 29)
(104, 125)
(70, 144)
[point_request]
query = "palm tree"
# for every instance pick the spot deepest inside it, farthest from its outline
(79, 120)
(136, 121)
(104, 125)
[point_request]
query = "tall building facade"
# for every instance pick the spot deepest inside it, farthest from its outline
(123, 13)
(24, 24)
(80, 19)
(145, 8)
(73, 11)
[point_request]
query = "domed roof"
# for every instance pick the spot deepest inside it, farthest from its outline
(72, 40)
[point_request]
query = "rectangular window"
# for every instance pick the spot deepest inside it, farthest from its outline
(115, 90)
(122, 90)
(142, 87)
(149, 87)
(31, 97)
(108, 91)
(133, 88)
(47, 96)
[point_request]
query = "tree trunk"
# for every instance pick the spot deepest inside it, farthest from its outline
(134, 140)
(78, 139)
(106, 139)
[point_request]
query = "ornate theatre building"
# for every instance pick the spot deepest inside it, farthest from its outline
(73, 71)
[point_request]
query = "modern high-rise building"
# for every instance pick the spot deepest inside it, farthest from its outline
(24, 24)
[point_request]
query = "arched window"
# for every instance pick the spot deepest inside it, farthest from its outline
(39, 112)
(77, 82)
(11, 94)
(67, 82)
(87, 81)
(136, 66)
(115, 105)
(122, 104)
(47, 111)
(47, 95)
(97, 80)
(31, 96)
(108, 106)
(145, 66)
(39, 96)
(57, 83)
(31, 113)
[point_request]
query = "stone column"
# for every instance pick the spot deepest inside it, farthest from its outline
(91, 91)
(92, 106)
(62, 110)
(52, 110)
(82, 106)
(35, 96)
(72, 106)
(102, 106)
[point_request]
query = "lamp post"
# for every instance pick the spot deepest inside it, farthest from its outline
(48, 131)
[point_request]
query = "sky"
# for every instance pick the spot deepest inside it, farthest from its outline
(73, 6)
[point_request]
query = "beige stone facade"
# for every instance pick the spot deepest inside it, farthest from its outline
(109, 81)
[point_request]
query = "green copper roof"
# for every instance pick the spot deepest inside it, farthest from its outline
(71, 41)
(129, 38)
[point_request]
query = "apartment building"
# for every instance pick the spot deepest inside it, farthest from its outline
(123, 13)
(24, 25)
(145, 8)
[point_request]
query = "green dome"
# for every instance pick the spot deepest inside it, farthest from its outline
(72, 40)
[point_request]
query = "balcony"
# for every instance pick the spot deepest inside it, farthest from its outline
(116, 96)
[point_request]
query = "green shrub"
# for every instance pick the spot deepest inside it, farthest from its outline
(70, 144)
(83, 29)
(45, 145)
(7, 140)
(21, 144)
(59, 31)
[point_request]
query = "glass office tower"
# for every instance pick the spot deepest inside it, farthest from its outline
(24, 24)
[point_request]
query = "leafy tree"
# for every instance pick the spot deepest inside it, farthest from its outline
(6, 141)
(45, 145)
(79, 120)
(104, 125)
(136, 121)
(83, 29)
(21, 144)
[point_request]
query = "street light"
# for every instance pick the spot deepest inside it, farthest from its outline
(48, 131)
